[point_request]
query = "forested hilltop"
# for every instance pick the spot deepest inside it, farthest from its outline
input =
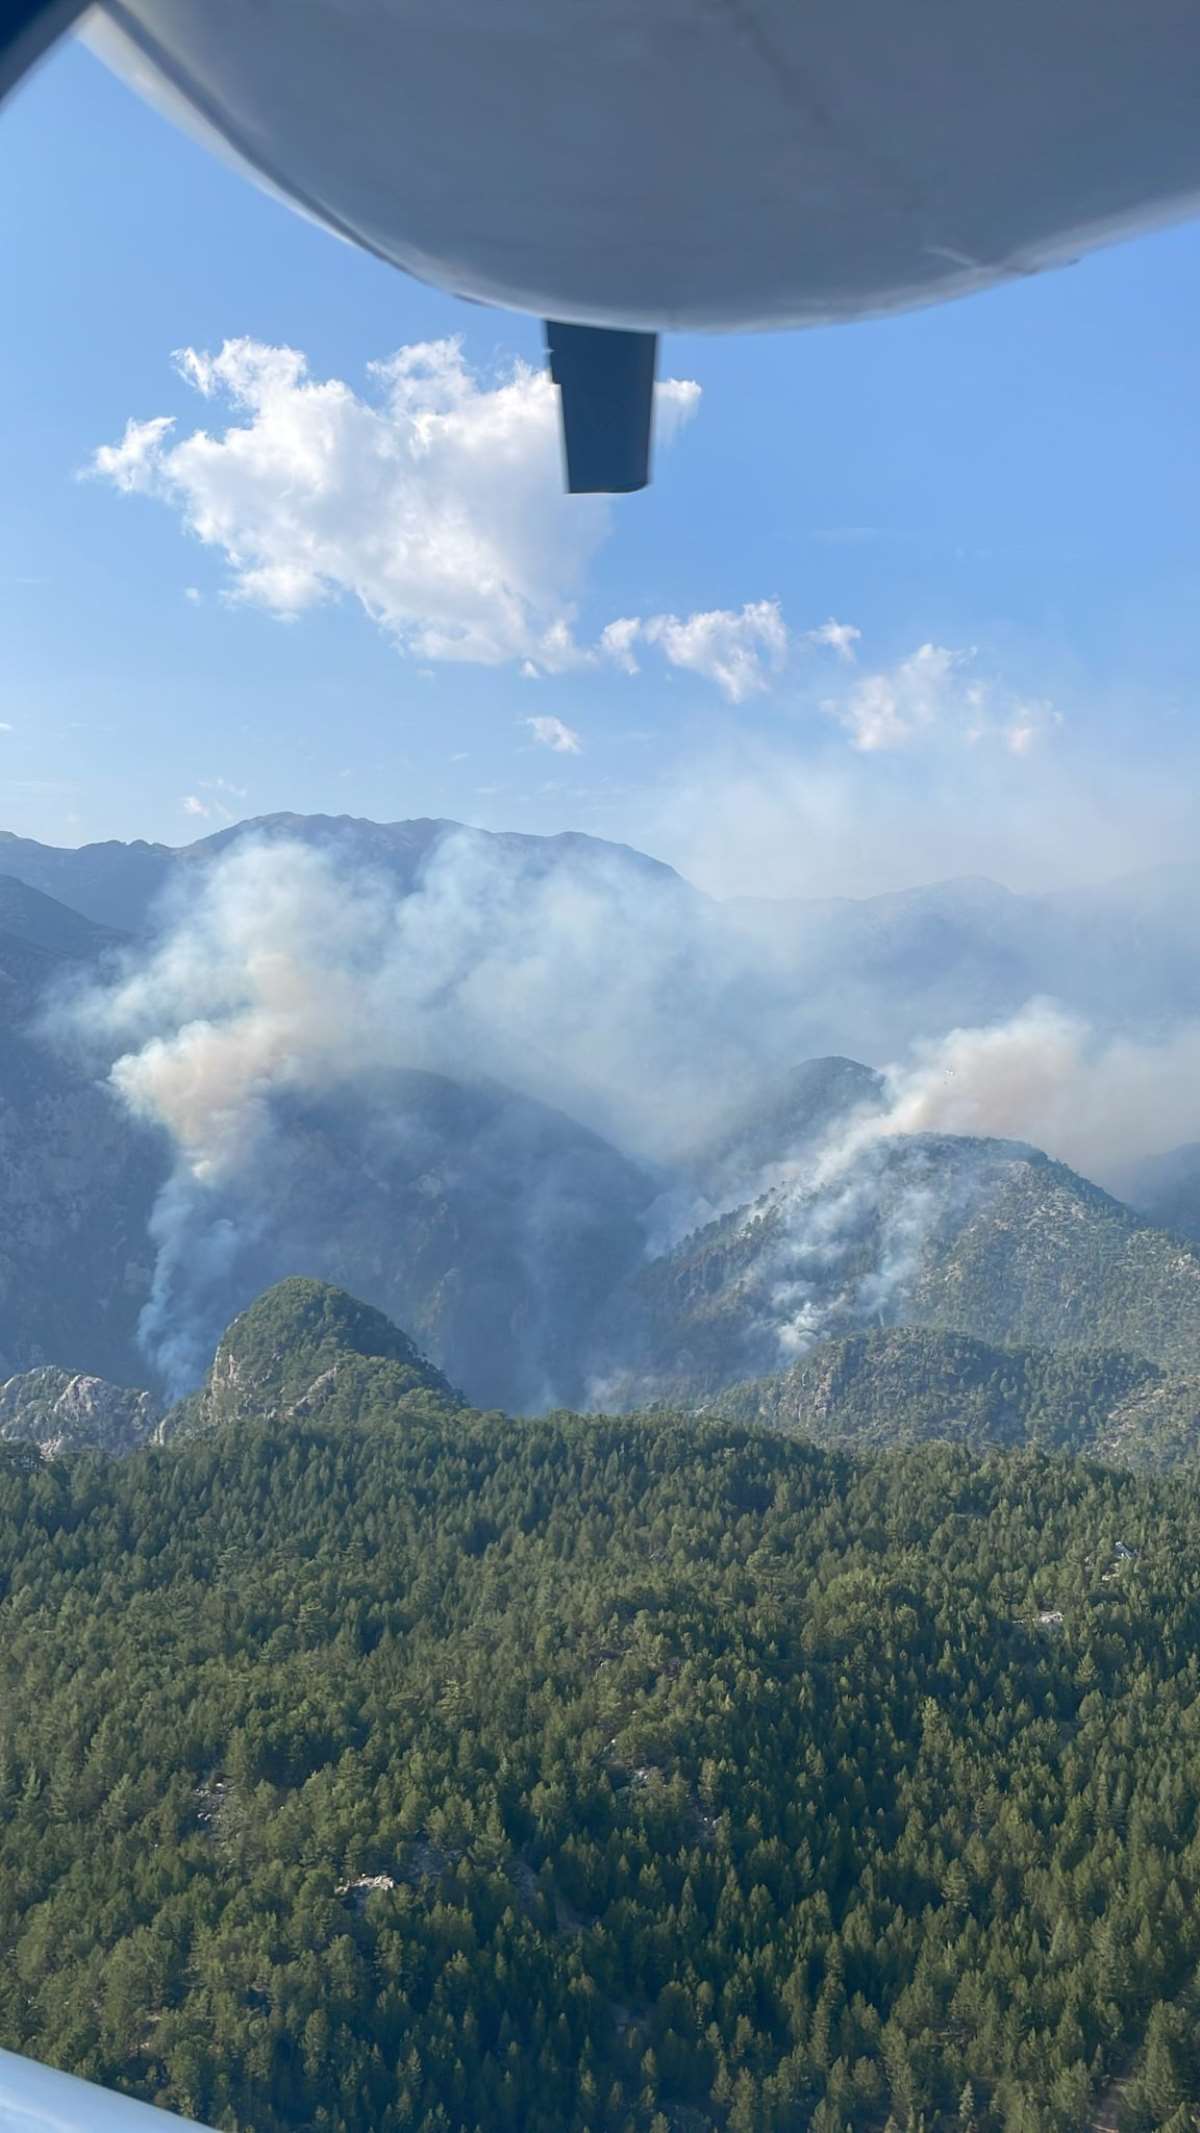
(369, 1764)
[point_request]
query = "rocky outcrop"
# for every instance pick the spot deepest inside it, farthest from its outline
(64, 1411)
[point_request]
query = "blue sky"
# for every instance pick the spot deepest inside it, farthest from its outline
(1011, 481)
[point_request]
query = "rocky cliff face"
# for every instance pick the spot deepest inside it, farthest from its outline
(62, 1411)
(308, 1351)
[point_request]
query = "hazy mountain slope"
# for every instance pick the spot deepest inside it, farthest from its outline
(509, 1238)
(32, 920)
(77, 1177)
(77, 1184)
(1166, 1189)
(877, 973)
(787, 1120)
(113, 884)
(490, 1225)
(917, 961)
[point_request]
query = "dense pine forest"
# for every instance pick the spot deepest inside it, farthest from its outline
(393, 1766)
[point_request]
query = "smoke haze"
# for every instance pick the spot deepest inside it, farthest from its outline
(589, 985)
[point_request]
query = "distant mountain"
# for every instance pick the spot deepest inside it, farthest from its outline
(61, 1412)
(989, 1239)
(524, 1251)
(306, 1348)
(885, 970)
(874, 973)
(118, 885)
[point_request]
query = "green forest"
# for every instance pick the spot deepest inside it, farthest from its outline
(391, 1766)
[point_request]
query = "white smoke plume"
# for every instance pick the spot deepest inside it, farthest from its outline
(1043, 1076)
(602, 986)
(1097, 1102)
(287, 976)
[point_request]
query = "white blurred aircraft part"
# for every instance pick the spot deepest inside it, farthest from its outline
(35, 2099)
(648, 164)
(619, 167)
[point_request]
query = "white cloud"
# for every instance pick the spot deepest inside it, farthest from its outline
(132, 466)
(888, 709)
(839, 637)
(1026, 727)
(193, 593)
(4, 726)
(193, 805)
(435, 499)
(738, 649)
(552, 733)
(676, 401)
(617, 640)
(937, 691)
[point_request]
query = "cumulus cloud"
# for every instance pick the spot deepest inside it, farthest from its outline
(553, 733)
(435, 498)
(192, 804)
(738, 649)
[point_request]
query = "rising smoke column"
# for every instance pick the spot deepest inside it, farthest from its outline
(588, 981)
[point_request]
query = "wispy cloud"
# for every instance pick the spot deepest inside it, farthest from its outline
(553, 733)
(218, 792)
(738, 649)
(888, 709)
(839, 637)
